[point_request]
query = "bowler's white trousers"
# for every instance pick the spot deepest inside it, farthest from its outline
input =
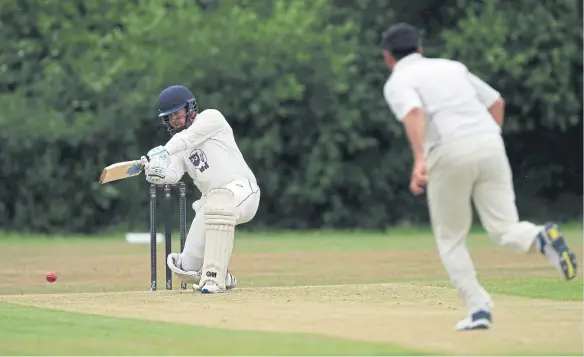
(473, 168)
(247, 196)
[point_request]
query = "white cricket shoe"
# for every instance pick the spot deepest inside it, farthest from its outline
(210, 287)
(478, 320)
(230, 281)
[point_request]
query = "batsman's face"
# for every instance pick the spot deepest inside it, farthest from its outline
(178, 118)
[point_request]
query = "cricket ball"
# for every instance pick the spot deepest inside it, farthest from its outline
(51, 276)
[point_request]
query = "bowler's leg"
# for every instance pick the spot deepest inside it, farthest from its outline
(449, 194)
(494, 198)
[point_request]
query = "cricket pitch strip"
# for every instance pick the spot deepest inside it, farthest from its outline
(411, 315)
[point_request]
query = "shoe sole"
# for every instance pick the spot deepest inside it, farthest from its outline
(216, 290)
(227, 287)
(482, 324)
(207, 291)
(567, 257)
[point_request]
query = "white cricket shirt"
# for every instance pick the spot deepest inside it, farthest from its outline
(207, 151)
(455, 101)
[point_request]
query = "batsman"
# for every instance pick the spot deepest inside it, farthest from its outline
(202, 144)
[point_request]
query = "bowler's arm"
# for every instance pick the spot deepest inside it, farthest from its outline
(489, 97)
(406, 105)
(497, 110)
(205, 125)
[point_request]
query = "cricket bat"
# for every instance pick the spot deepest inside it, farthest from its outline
(121, 170)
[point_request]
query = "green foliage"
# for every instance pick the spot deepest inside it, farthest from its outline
(532, 53)
(299, 81)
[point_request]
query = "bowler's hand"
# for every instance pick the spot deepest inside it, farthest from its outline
(419, 177)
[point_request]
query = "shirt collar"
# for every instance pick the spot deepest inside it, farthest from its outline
(414, 57)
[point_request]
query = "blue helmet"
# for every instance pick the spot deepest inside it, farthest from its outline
(173, 99)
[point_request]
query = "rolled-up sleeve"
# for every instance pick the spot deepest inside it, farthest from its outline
(401, 97)
(487, 95)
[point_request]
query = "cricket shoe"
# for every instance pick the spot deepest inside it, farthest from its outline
(478, 320)
(210, 287)
(551, 241)
(230, 281)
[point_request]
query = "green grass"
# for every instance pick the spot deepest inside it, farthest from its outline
(303, 241)
(36, 331)
(533, 288)
(537, 288)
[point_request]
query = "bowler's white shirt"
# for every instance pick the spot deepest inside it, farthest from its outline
(455, 101)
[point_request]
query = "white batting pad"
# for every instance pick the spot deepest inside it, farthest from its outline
(220, 219)
(174, 264)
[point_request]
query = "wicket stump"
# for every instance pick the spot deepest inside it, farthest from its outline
(167, 215)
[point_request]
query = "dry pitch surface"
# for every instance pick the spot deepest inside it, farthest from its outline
(361, 295)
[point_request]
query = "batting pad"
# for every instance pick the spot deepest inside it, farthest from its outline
(220, 220)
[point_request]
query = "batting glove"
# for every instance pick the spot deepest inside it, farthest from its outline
(156, 171)
(158, 152)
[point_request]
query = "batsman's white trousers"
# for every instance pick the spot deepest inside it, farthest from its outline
(247, 196)
(473, 168)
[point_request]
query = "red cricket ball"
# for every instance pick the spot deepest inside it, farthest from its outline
(51, 276)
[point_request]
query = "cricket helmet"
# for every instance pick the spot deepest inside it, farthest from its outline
(171, 100)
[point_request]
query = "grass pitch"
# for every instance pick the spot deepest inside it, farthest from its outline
(311, 293)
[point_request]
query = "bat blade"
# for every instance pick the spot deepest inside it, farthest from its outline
(121, 170)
